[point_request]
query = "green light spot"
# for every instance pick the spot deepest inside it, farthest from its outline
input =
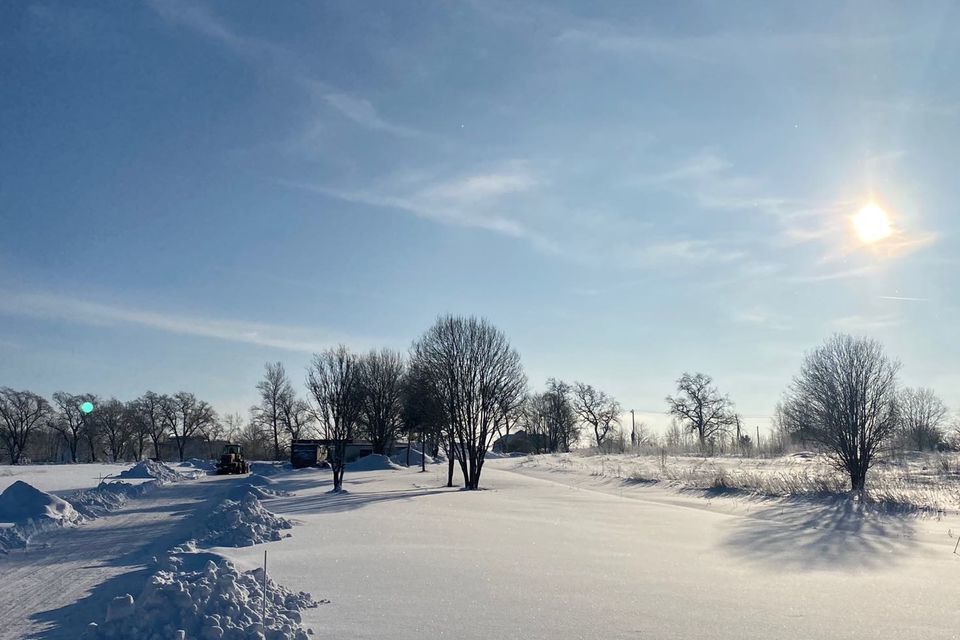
(86, 407)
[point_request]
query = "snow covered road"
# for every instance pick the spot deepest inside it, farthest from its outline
(536, 558)
(66, 577)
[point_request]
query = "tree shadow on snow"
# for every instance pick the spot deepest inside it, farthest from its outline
(348, 500)
(830, 533)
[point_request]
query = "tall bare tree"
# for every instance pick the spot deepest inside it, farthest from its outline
(596, 409)
(139, 428)
(114, 426)
(150, 413)
(333, 381)
(849, 386)
(69, 420)
(275, 392)
(296, 417)
(381, 388)
(922, 418)
(700, 408)
(21, 414)
(186, 417)
(472, 372)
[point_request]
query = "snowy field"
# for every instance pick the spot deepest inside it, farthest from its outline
(911, 481)
(60, 479)
(542, 552)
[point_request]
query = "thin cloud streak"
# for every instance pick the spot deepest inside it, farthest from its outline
(75, 311)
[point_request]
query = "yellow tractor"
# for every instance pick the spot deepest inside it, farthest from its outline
(231, 461)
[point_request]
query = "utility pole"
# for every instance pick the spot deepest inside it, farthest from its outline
(633, 429)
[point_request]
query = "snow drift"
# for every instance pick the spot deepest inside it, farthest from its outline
(31, 511)
(109, 496)
(242, 523)
(416, 457)
(21, 503)
(269, 468)
(214, 602)
(200, 464)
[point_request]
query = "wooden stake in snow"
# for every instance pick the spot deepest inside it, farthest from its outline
(263, 601)
(956, 545)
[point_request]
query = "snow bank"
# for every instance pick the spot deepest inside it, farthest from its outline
(416, 456)
(372, 462)
(211, 603)
(109, 496)
(31, 511)
(21, 502)
(260, 486)
(150, 469)
(200, 464)
(269, 468)
(242, 523)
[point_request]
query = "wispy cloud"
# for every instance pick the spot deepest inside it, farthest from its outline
(363, 113)
(714, 47)
(54, 306)
(861, 323)
(760, 317)
(471, 200)
(281, 60)
(843, 274)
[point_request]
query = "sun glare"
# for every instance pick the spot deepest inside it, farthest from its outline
(872, 224)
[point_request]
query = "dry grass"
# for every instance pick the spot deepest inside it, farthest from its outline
(924, 482)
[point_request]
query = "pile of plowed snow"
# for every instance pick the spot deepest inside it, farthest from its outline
(21, 502)
(241, 523)
(200, 464)
(109, 496)
(211, 603)
(260, 486)
(416, 458)
(31, 511)
(372, 462)
(269, 468)
(149, 469)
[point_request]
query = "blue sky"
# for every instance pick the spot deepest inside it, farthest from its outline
(629, 190)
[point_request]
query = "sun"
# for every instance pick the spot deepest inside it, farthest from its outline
(872, 224)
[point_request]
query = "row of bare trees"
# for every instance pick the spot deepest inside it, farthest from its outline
(86, 426)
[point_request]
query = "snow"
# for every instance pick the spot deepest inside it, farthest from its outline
(269, 468)
(212, 602)
(200, 464)
(150, 469)
(400, 459)
(546, 550)
(21, 502)
(372, 462)
(241, 523)
(107, 497)
(60, 479)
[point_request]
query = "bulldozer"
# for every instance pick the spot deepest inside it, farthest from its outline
(231, 461)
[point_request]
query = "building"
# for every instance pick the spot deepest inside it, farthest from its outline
(521, 442)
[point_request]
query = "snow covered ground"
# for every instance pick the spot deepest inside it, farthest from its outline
(542, 552)
(60, 479)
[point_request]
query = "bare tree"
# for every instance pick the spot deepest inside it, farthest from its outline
(139, 428)
(333, 381)
(596, 409)
(474, 374)
(296, 417)
(793, 422)
(186, 417)
(381, 387)
(114, 426)
(423, 417)
(21, 414)
(69, 420)
(699, 407)
(849, 387)
(275, 392)
(149, 409)
(922, 416)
